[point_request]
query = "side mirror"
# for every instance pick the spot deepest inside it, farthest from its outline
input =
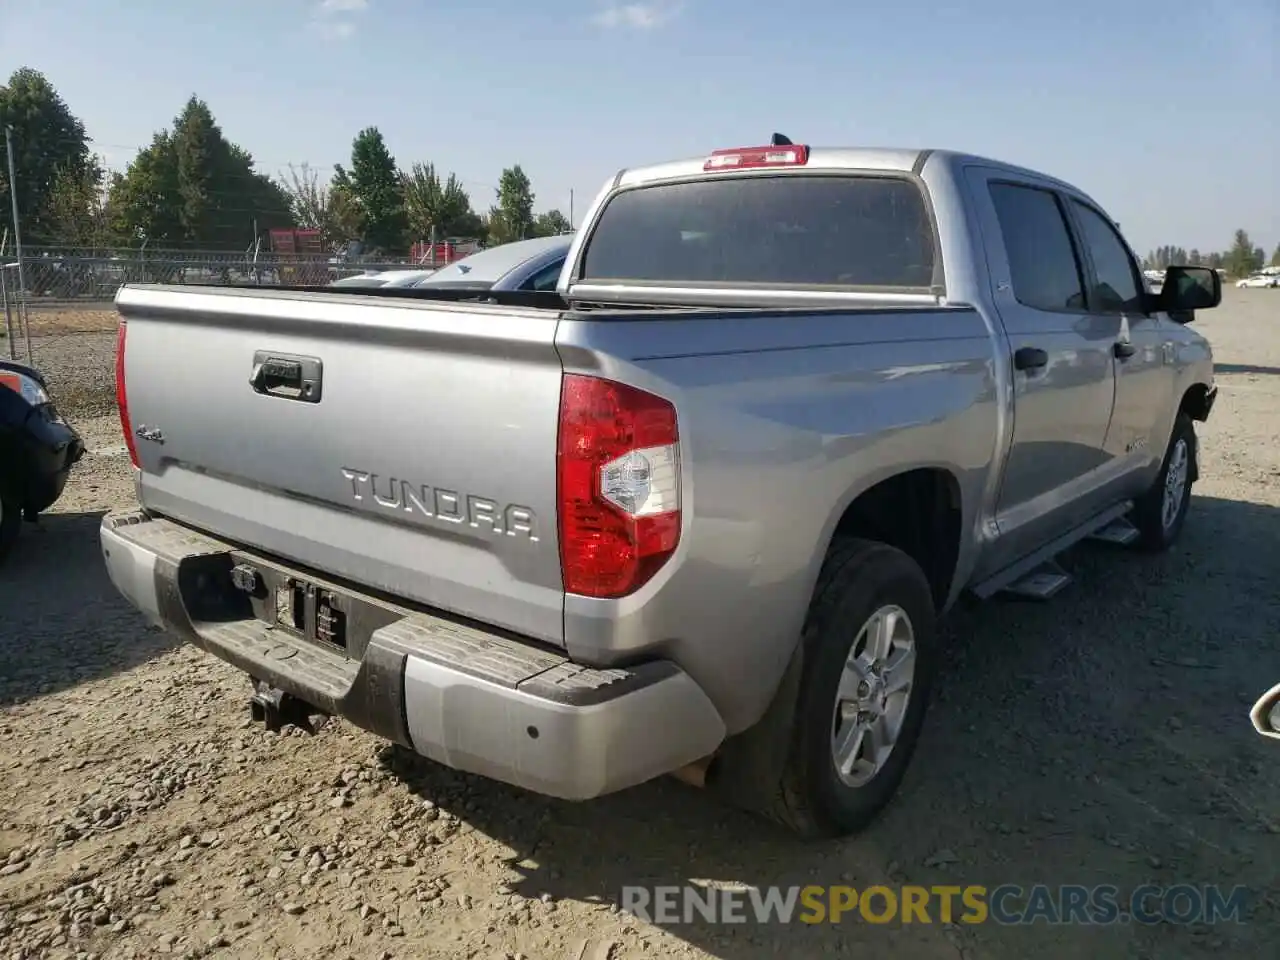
(1266, 714)
(1186, 290)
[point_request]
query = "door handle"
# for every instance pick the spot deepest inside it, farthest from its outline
(286, 377)
(1029, 358)
(1123, 350)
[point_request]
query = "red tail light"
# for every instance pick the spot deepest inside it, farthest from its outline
(747, 158)
(618, 477)
(122, 396)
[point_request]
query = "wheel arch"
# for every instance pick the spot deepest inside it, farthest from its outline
(919, 510)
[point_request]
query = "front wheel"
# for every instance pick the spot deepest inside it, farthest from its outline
(1160, 513)
(870, 652)
(10, 523)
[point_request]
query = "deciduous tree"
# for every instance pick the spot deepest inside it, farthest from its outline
(327, 207)
(432, 205)
(1243, 258)
(551, 224)
(74, 210)
(49, 144)
(374, 182)
(192, 187)
(512, 218)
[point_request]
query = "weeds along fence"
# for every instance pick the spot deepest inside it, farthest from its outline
(70, 275)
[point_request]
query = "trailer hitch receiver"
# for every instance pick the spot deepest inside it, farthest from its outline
(276, 709)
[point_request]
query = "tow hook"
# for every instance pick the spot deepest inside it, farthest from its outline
(275, 709)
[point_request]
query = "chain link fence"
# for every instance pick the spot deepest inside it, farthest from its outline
(65, 324)
(73, 274)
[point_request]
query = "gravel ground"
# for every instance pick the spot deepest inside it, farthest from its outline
(1102, 738)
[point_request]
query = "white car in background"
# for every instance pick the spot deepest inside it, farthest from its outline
(384, 278)
(1259, 280)
(404, 278)
(528, 265)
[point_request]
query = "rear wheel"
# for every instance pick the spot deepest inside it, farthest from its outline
(870, 653)
(10, 523)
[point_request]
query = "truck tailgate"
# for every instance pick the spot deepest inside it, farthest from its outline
(408, 446)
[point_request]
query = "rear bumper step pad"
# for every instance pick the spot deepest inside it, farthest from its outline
(469, 698)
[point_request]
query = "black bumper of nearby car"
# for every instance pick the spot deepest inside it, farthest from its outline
(37, 451)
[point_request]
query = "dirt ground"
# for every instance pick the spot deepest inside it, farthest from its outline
(44, 320)
(1102, 738)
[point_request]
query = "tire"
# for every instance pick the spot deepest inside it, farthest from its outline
(10, 524)
(1160, 513)
(860, 580)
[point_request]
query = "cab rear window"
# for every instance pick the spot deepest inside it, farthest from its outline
(792, 230)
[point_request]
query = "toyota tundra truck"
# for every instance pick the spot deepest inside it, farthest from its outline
(698, 510)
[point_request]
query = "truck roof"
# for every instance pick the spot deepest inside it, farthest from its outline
(887, 159)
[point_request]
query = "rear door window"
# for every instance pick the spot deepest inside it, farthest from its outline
(793, 230)
(1043, 264)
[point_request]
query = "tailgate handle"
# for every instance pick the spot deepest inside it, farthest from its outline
(287, 377)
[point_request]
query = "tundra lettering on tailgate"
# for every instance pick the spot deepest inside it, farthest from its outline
(447, 506)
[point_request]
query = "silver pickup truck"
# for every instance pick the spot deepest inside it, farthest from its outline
(696, 511)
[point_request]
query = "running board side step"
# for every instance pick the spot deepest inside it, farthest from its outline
(1037, 575)
(1119, 532)
(1043, 583)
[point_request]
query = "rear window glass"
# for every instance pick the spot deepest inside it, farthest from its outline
(855, 231)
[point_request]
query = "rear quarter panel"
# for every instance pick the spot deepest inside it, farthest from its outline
(784, 420)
